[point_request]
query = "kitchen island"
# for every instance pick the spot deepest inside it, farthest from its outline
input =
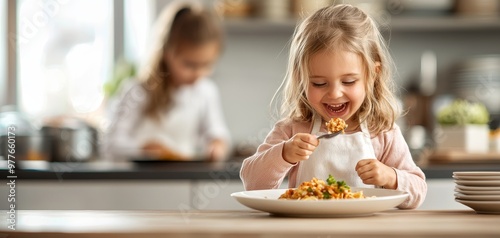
(170, 170)
(146, 224)
(165, 186)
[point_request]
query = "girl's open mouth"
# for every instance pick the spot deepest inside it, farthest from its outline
(336, 108)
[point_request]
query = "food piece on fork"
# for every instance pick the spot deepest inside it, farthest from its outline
(336, 125)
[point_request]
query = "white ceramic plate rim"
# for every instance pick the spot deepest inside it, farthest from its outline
(475, 177)
(472, 192)
(477, 173)
(492, 207)
(478, 182)
(476, 188)
(477, 197)
(479, 202)
(267, 201)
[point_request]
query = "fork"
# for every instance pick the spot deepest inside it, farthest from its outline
(329, 135)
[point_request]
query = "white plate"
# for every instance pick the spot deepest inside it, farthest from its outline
(477, 173)
(476, 188)
(478, 182)
(482, 206)
(472, 192)
(475, 177)
(477, 197)
(267, 201)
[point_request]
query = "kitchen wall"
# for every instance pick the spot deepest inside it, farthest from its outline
(255, 56)
(249, 73)
(255, 59)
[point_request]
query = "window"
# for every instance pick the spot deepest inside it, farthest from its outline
(139, 18)
(65, 55)
(3, 52)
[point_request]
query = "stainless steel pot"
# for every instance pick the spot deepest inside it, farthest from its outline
(72, 140)
(19, 139)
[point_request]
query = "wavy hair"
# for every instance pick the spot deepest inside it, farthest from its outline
(335, 28)
(181, 24)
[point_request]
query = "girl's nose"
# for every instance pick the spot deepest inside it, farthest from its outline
(335, 92)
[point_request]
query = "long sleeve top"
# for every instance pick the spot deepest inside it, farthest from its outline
(190, 123)
(267, 169)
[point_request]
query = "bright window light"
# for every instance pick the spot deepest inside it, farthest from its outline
(65, 56)
(3, 52)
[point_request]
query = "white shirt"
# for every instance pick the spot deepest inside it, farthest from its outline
(194, 119)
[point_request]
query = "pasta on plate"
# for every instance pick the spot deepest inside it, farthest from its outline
(317, 189)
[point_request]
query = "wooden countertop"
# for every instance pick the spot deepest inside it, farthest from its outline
(243, 224)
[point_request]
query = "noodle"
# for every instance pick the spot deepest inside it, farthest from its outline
(317, 189)
(335, 125)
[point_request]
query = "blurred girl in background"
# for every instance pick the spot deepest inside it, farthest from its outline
(174, 111)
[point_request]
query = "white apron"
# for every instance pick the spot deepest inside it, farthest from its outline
(337, 156)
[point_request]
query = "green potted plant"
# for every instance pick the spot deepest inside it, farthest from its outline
(123, 70)
(463, 127)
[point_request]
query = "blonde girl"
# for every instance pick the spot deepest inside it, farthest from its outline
(339, 67)
(174, 111)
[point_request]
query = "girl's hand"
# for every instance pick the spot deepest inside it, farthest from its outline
(372, 171)
(299, 147)
(217, 150)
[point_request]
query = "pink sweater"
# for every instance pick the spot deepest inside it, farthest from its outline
(267, 169)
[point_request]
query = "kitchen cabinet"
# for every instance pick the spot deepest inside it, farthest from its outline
(180, 195)
(99, 195)
(440, 195)
(126, 195)
(169, 186)
(215, 195)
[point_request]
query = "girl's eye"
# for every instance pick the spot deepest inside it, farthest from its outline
(349, 82)
(318, 84)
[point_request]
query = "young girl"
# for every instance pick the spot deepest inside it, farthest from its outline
(339, 67)
(174, 112)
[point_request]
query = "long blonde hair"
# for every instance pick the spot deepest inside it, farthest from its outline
(334, 28)
(181, 23)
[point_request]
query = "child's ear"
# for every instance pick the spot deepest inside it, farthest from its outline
(378, 67)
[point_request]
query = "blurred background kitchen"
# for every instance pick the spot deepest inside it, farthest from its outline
(69, 58)
(62, 64)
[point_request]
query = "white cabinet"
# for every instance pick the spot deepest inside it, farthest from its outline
(440, 196)
(164, 195)
(215, 195)
(125, 195)
(99, 195)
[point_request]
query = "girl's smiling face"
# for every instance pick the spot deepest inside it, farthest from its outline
(336, 86)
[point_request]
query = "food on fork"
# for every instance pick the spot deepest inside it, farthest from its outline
(317, 189)
(336, 125)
